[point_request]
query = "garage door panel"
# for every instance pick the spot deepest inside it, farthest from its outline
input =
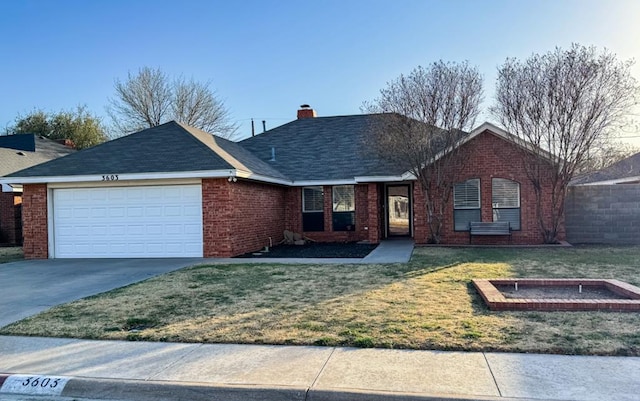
(190, 211)
(98, 212)
(153, 211)
(128, 221)
(115, 212)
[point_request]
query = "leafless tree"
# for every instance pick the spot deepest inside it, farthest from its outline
(564, 103)
(196, 105)
(425, 115)
(142, 101)
(605, 154)
(150, 98)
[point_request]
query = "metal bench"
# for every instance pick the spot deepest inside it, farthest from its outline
(489, 228)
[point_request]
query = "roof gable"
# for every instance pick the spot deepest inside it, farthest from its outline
(170, 147)
(501, 133)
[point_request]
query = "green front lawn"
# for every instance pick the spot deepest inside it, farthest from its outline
(429, 303)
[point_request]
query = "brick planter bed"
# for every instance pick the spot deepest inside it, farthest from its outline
(496, 301)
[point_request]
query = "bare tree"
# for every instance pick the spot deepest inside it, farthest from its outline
(605, 154)
(150, 98)
(430, 108)
(196, 105)
(142, 101)
(564, 103)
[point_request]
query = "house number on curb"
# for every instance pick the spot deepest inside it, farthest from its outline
(41, 385)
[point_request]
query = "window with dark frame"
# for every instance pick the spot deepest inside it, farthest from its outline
(344, 207)
(466, 204)
(312, 209)
(505, 199)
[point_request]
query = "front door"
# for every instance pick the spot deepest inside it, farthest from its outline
(398, 211)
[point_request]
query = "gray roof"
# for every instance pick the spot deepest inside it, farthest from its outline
(308, 149)
(323, 148)
(12, 159)
(170, 147)
(626, 168)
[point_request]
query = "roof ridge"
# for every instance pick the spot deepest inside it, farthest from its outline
(202, 137)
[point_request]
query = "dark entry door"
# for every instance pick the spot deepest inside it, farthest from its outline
(398, 211)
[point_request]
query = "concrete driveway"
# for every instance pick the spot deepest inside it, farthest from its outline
(31, 286)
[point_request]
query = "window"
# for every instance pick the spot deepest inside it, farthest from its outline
(312, 199)
(312, 209)
(344, 206)
(505, 198)
(466, 204)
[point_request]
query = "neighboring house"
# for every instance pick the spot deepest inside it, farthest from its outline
(604, 206)
(174, 190)
(18, 152)
(626, 171)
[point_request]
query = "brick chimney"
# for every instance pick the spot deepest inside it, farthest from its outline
(66, 142)
(306, 112)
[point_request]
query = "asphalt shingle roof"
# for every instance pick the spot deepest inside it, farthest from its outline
(12, 160)
(322, 148)
(308, 149)
(170, 147)
(626, 168)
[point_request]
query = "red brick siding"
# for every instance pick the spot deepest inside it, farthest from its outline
(9, 213)
(487, 156)
(376, 222)
(34, 221)
(366, 214)
(293, 210)
(420, 227)
(240, 217)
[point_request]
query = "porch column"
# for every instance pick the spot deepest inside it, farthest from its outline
(373, 200)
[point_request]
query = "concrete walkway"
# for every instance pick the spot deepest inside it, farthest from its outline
(389, 251)
(169, 371)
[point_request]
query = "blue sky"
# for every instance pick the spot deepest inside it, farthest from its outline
(265, 58)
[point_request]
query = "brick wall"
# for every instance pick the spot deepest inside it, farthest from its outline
(10, 232)
(34, 221)
(487, 156)
(239, 217)
(366, 215)
(605, 214)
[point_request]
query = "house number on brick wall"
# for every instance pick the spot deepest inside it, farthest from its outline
(112, 177)
(42, 385)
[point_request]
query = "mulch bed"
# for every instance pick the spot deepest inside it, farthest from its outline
(316, 250)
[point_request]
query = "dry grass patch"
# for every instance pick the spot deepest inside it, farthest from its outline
(426, 304)
(10, 254)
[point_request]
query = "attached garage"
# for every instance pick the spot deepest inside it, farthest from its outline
(127, 222)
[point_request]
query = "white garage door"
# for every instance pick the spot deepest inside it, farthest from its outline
(128, 222)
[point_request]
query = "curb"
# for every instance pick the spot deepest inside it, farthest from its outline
(145, 390)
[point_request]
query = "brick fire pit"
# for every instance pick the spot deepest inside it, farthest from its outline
(627, 296)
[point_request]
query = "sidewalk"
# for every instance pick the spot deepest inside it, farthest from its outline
(171, 371)
(388, 251)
